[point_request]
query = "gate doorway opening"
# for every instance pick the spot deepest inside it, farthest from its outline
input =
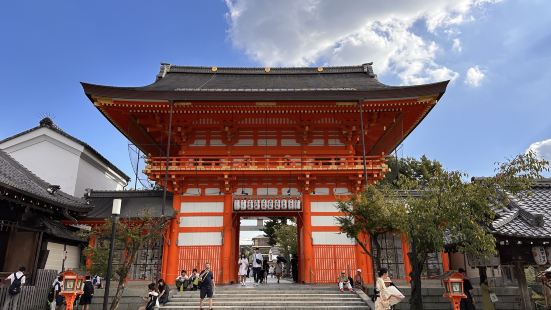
(276, 238)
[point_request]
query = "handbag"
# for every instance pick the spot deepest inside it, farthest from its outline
(493, 297)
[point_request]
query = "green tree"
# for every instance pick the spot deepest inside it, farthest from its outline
(131, 235)
(445, 207)
(287, 240)
(271, 227)
(374, 212)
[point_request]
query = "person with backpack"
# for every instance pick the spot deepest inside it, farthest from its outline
(88, 293)
(17, 279)
(54, 297)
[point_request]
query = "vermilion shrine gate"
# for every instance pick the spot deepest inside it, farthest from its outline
(230, 142)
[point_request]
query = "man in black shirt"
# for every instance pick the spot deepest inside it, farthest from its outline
(206, 278)
(466, 303)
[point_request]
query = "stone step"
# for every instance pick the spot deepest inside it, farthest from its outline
(219, 297)
(272, 302)
(269, 294)
(301, 307)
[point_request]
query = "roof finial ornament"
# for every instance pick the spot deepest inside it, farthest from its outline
(165, 68)
(46, 122)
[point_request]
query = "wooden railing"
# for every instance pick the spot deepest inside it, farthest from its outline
(35, 296)
(289, 162)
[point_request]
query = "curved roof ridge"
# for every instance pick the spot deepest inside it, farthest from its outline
(169, 68)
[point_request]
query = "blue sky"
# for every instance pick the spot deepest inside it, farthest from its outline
(495, 112)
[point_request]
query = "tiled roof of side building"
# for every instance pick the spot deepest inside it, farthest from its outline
(135, 204)
(303, 83)
(16, 177)
(528, 215)
(48, 123)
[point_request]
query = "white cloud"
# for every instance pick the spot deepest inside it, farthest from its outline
(474, 76)
(306, 32)
(542, 149)
(456, 46)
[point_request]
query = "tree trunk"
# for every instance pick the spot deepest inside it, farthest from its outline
(118, 295)
(123, 274)
(377, 253)
(416, 298)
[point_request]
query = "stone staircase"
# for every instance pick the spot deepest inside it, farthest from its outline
(271, 296)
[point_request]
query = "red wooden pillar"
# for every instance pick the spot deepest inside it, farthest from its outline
(363, 260)
(308, 250)
(445, 261)
(172, 253)
(227, 239)
(405, 251)
(300, 252)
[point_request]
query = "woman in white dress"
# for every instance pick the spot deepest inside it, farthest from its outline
(243, 266)
(383, 299)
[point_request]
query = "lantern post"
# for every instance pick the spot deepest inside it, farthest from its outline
(453, 285)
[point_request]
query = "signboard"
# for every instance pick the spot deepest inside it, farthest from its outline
(266, 203)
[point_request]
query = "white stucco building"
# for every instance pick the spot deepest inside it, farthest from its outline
(63, 160)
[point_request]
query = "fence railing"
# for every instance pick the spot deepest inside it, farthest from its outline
(191, 163)
(35, 296)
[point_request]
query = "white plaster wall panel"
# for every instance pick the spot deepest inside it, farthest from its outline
(201, 221)
(56, 254)
(289, 142)
(317, 142)
(266, 191)
(91, 176)
(244, 191)
(200, 238)
(332, 238)
(193, 192)
(321, 191)
(49, 161)
(341, 191)
(267, 142)
(198, 207)
(335, 142)
(289, 191)
(212, 191)
(199, 142)
(245, 142)
(216, 142)
(325, 206)
(324, 221)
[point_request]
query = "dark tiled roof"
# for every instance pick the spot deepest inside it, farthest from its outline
(528, 215)
(212, 83)
(134, 204)
(48, 123)
(16, 177)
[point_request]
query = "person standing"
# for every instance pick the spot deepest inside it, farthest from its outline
(487, 303)
(88, 293)
(257, 265)
(466, 303)
(265, 267)
(206, 286)
(243, 267)
(17, 279)
(383, 299)
(278, 270)
(58, 298)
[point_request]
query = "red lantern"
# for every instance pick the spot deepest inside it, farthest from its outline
(453, 285)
